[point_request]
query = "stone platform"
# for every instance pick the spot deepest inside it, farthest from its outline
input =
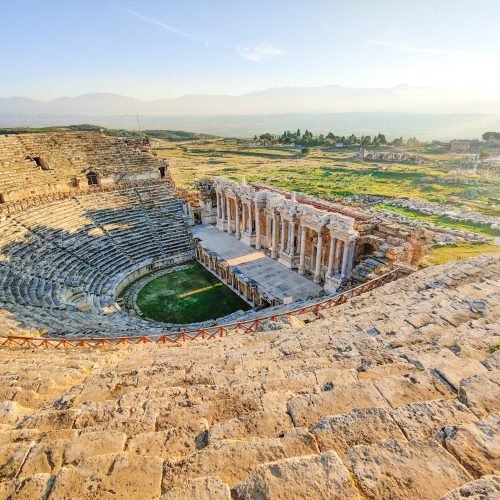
(272, 276)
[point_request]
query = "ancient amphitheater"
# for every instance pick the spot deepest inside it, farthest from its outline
(351, 373)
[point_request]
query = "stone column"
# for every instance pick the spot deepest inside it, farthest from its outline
(274, 238)
(237, 217)
(229, 230)
(257, 228)
(345, 258)
(303, 233)
(283, 233)
(352, 256)
(336, 260)
(269, 231)
(223, 206)
(319, 249)
(250, 219)
(331, 256)
(291, 239)
(243, 216)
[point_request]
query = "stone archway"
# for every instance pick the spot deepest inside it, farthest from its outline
(366, 246)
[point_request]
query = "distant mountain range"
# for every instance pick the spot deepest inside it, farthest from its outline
(325, 99)
(441, 112)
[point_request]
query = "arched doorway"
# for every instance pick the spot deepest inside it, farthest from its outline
(366, 249)
(92, 179)
(197, 217)
(367, 246)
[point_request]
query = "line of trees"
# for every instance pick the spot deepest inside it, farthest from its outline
(308, 139)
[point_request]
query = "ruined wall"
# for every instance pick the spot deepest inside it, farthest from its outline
(379, 237)
(395, 242)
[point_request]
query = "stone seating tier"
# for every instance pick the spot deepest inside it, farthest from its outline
(65, 259)
(392, 395)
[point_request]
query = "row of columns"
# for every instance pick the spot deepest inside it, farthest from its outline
(280, 237)
(228, 210)
(248, 291)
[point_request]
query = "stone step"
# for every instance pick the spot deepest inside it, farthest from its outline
(313, 476)
(232, 460)
(424, 469)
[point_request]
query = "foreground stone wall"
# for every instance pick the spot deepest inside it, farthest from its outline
(393, 395)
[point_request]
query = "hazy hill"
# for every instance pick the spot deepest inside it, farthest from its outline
(165, 135)
(401, 110)
(325, 99)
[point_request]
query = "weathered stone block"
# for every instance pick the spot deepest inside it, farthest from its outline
(360, 426)
(401, 470)
(315, 476)
(310, 409)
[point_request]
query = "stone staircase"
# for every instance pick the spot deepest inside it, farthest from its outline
(395, 394)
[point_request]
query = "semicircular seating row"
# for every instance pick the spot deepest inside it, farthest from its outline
(63, 258)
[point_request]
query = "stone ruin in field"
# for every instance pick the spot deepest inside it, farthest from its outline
(321, 403)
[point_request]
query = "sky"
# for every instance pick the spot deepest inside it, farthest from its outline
(157, 49)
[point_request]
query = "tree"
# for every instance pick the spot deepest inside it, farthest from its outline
(366, 140)
(266, 138)
(398, 142)
(490, 135)
(305, 151)
(381, 139)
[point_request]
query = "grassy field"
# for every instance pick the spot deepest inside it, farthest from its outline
(188, 296)
(337, 173)
(441, 255)
(442, 220)
(331, 173)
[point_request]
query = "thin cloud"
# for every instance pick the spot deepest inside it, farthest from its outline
(406, 47)
(261, 52)
(164, 26)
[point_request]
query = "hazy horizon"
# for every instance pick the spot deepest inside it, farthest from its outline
(485, 93)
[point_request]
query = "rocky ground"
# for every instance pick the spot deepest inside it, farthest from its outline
(395, 394)
(442, 235)
(460, 214)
